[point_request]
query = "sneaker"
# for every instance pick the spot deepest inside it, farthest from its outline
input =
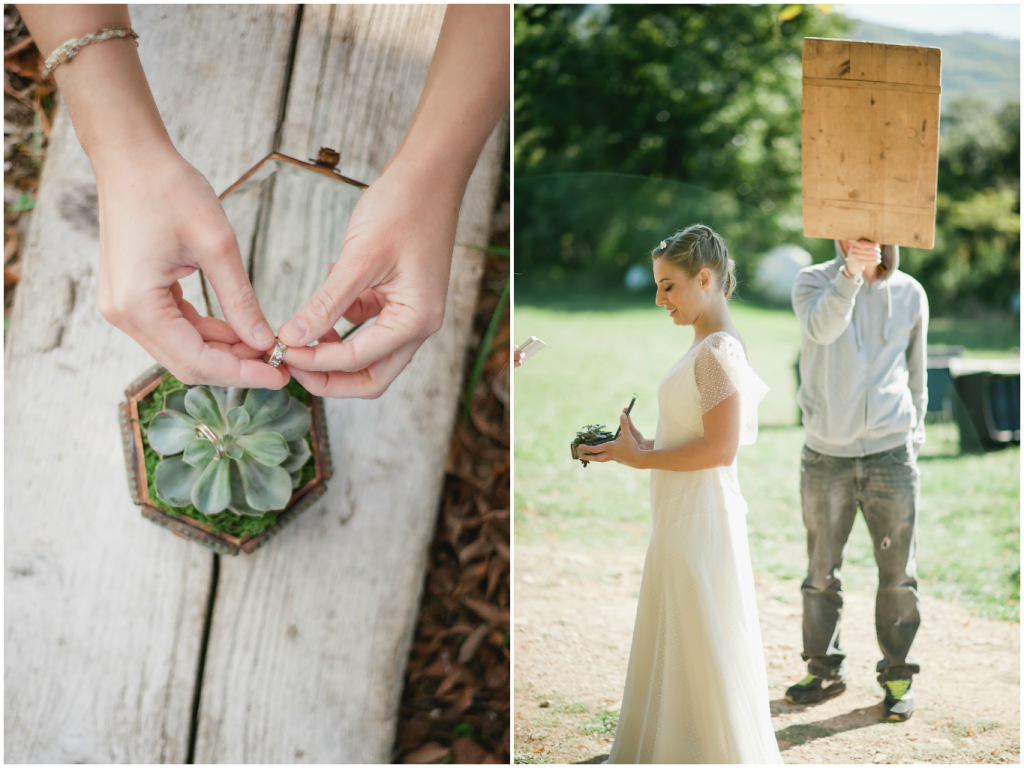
(810, 690)
(899, 700)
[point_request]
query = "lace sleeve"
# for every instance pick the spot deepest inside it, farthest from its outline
(721, 369)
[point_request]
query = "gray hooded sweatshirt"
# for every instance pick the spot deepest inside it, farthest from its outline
(863, 358)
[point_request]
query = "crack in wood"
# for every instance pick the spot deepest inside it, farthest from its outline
(193, 730)
(60, 324)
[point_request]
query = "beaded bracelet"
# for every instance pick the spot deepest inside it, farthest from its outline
(67, 51)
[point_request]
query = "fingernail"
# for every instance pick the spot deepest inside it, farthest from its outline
(262, 334)
(297, 376)
(294, 329)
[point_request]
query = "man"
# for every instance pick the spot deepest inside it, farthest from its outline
(863, 394)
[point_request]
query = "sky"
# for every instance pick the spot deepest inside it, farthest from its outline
(940, 18)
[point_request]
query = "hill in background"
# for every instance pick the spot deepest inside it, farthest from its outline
(983, 66)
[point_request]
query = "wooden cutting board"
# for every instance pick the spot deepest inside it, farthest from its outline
(870, 138)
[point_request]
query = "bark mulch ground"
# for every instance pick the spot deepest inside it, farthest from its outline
(28, 114)
(455, 707)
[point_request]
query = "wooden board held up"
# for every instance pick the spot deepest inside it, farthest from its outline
(870, 135)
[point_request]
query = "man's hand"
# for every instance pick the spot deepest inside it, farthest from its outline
(861, 255)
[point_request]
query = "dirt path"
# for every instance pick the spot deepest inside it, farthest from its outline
(574, 612)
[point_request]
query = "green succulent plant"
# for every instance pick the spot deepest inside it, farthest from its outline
(229, 449)
(592, 434)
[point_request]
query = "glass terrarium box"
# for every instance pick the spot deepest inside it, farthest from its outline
(225, 467)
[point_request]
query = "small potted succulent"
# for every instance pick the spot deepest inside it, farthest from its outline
(595, 434)
(222, 466)
(592, 434)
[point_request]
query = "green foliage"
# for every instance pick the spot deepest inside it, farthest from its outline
(242, 449)
(975, 265)
(227, 521)
(569, 707)
(603, 724)
(633, 121)
(703, 95)
(592, 434)
(984, 66)
(24, 203)
(485, 347)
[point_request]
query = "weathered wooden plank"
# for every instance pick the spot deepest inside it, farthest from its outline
(104, 611)
(870, 133)
(310, 636)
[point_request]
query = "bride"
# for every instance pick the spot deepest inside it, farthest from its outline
(696, 687)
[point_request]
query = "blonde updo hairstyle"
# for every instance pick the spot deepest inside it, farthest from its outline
(695, 248)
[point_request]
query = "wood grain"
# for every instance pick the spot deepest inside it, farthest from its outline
(310, 636)
(104, 610)
(870, 133)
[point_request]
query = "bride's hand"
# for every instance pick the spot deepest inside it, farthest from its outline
(640, 439)
(624, 449)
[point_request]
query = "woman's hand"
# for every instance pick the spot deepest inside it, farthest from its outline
(396, 258)
(159, 222)
(159, 219)
(645, 445)
(625, 449)
(394, 265)
(517, 356)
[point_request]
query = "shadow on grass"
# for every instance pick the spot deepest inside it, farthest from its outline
(801, 733)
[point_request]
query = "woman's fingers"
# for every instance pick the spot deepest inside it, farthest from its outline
(368, 304)
(367, 383)
(331, 337)
(394, 330)
(154, 238)
(222, 263)
(327, 305)
(178, 345)
(210, 328)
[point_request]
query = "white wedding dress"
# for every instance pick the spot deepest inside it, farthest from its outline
(696, 687)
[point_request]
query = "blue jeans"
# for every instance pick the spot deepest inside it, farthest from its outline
(887, 487)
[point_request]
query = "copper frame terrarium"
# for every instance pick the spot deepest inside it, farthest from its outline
(250, 224)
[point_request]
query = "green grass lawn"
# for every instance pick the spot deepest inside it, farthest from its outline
(969, 534)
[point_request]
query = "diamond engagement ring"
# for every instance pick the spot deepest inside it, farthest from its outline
(278, 355)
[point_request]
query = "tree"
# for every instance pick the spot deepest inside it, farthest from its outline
(705, 95)
(975, 265)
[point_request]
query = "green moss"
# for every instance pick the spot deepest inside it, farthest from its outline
(241, 526)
